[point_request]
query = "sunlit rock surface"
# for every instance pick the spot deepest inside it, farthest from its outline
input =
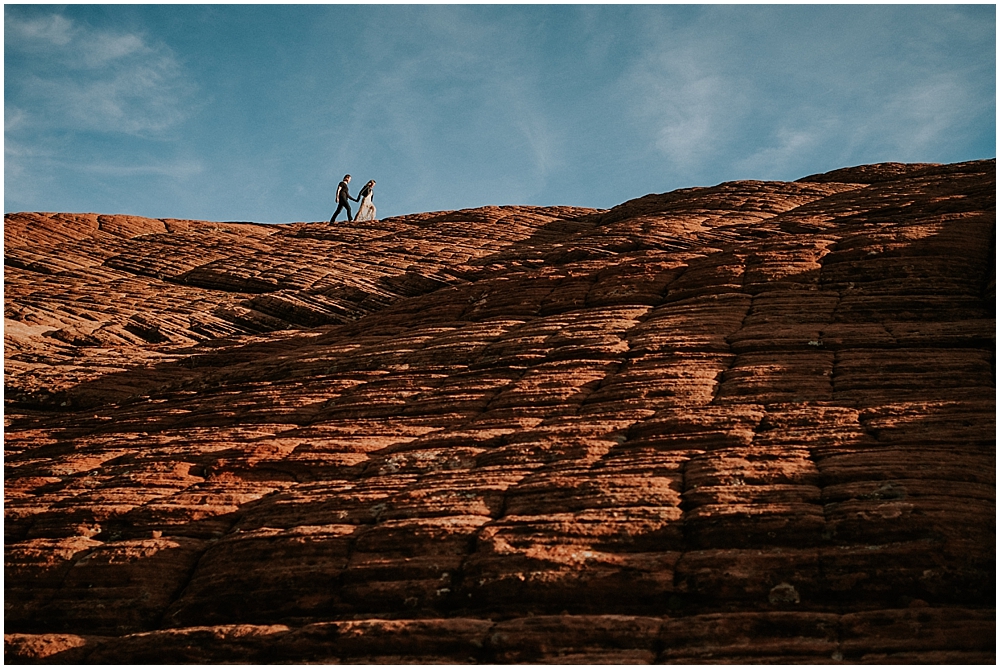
(747, 423)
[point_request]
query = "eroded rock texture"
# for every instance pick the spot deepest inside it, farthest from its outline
(747, 423)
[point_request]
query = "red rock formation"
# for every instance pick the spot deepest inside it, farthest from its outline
(748, 423)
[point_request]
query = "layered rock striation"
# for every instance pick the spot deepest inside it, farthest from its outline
(747, 423)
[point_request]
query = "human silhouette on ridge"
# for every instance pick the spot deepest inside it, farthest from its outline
(366, 211)
(343, 198)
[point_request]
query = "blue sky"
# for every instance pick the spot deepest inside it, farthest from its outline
(255, 112)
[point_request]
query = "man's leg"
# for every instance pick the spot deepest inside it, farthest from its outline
(350, 217)
(340, 205)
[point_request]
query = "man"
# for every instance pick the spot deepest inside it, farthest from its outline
(343, 197)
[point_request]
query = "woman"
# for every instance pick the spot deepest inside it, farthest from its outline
(366, 211)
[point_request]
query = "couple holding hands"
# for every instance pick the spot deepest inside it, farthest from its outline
(366, 212)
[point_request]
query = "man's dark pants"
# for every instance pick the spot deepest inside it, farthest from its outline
(342, 205)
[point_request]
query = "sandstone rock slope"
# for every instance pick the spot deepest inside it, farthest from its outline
(747, 423)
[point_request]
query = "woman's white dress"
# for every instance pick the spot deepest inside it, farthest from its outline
(366, 212)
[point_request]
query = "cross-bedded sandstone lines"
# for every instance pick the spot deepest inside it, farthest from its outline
(100, 293)
(750, 423)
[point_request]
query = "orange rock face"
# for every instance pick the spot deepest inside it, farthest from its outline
(747, 423)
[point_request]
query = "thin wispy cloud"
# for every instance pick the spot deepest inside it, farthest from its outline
(174, 169)
(847, 85)
(685, 99)
(38, 33)
(691, 105)
(929, 110)
(447, 84)
(89, 105)
(69, 76)
(781, 152)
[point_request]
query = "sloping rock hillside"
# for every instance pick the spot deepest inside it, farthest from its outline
(747, 423)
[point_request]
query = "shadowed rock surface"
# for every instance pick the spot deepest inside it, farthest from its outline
(747, 423)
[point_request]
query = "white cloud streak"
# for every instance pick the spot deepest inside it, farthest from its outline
(788, 146)
(686, 106)
(448, 84)
(69, 76)
(721, 91)
(79, 101)
(38, 33)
